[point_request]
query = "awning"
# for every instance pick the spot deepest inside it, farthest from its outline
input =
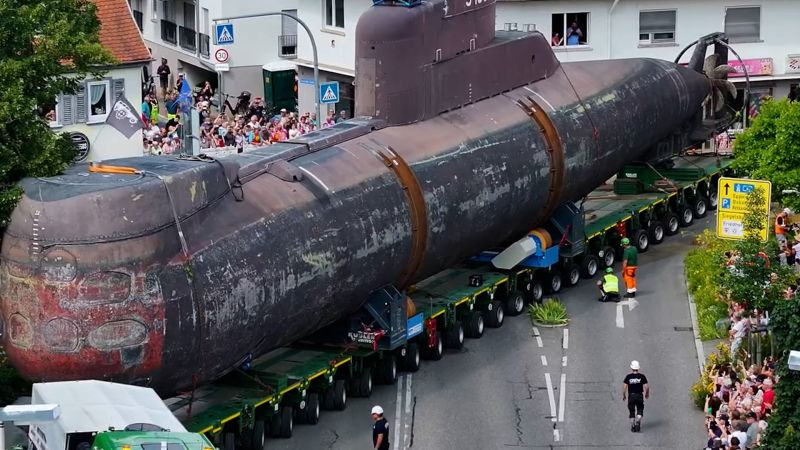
(279, 65)
(755, 79)
(326, 68)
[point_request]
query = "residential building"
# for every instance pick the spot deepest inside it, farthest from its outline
(83, 114)
(182, 32)
(611, 29)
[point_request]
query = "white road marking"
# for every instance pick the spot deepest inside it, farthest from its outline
(561, 397)
(566, 338)
(631, 302)
(544, 360)
(539, 341)
(556, 435)
(551, 396)
(407, 431)
(397, 412)
(620, 319)
(536, 331)
(563, 361)
(315, 178)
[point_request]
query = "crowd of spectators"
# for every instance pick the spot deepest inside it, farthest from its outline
(220, 128)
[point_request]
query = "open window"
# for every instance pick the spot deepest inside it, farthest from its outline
(570, 29)
(99, 100)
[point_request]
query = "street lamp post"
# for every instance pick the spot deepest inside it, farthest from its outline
(317, 104)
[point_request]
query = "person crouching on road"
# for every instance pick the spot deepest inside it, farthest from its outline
(380, 429)
(609, 286)
(630, 259)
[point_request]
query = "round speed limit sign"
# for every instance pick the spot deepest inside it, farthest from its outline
(221, 55)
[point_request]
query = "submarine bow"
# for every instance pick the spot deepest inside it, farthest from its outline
(172, 276)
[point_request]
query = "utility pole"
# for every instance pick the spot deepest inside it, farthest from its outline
(317, 103)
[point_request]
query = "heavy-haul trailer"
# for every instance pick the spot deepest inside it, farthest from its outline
(394, 330)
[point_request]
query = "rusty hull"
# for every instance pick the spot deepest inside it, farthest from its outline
(286, 239)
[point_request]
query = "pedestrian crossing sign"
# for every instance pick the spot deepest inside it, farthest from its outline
(329, 92)
(224, 33)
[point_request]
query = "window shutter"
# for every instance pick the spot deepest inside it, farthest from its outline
(81, 107)
(119, 89)
(66, 103)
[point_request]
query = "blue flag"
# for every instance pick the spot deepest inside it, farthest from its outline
(185, 97)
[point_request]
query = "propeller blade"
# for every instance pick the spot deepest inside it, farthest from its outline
(721, 72)
(709, 64)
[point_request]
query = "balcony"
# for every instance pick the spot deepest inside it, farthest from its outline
(188, 38)
(205, 45)
(169, 31)
(138, 16)
(287, 46)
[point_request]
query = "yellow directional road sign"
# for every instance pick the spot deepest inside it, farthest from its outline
(732, 206)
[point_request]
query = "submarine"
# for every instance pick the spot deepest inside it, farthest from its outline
(464, 138)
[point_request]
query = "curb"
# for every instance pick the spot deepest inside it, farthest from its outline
(542, 325)
(695, 327)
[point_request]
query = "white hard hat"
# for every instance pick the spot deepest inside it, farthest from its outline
(377, 410)
(635, 365)
(787, 210)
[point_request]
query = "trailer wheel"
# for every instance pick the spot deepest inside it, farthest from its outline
(340, 395)
(495, 314)
(286, 422)
(686, 216)
(589, 266)
(436, 352)
(671, 224)
(229, 441)
(454, 337)
(656, 232)
(365, 383)
(411, 360)
(641, 240)
(609, 257)
(535, 291)
(573, 273)
(514, 304)
(713, 198)
(312, 408)
(258, 436)
(389, 369)
(700, 206)
(475, 325)
(554, 282)
(327, 398)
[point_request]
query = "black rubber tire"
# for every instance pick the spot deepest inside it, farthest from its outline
(494, 315)
(286, 422)
(229, 441)
(339, 395)
(475, 325)
(713, 198)
(534, 291)
(353, 388)
(258, 435)
(514, 304)
(686, 216)
(312, 408)
(365, 383)
(590, 265)
(437, 351)
(411, 361)
(671, 224)
(572, 274)
(554, 282)
(389, 369)
(641, 240)
(656, 232)
(609, 257)
(454, 336)
(327, 399)
(700, 207)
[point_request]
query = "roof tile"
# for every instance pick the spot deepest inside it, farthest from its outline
(119, 33)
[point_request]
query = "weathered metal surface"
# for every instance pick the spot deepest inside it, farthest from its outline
(94, 282)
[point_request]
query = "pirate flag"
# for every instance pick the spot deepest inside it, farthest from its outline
(124, 117)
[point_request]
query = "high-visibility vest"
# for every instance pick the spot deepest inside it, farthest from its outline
(780, 228)
(610, 283)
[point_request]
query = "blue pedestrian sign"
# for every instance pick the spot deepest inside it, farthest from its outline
(329, 92)
(223, 33)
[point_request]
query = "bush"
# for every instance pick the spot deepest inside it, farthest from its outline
(11, 384)
(551, 312)
(704, 386)
(704, 268)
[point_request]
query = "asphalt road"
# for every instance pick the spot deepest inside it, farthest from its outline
(521, 387)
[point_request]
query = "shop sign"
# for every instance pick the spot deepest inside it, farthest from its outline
(755, 67)
(792, 63)
(82, 146)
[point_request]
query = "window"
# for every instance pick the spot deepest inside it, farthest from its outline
(657, 26)
(169, 10)
(570, 29)
(529, 27)
(334, 13)
(188, 16)
(204, 21)
(511, 26)
(99, 100)
(743, 24)
(51, 114)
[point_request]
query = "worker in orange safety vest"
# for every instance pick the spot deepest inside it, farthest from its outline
(782, 225)
(630, 259)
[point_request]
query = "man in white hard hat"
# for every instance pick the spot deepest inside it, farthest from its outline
(380, 429)
(636, 389)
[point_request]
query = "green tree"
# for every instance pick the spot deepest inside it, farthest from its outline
(783, 432)
(47, 48)
(770, 149)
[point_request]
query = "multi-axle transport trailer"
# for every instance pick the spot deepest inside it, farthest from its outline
(395, 330)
